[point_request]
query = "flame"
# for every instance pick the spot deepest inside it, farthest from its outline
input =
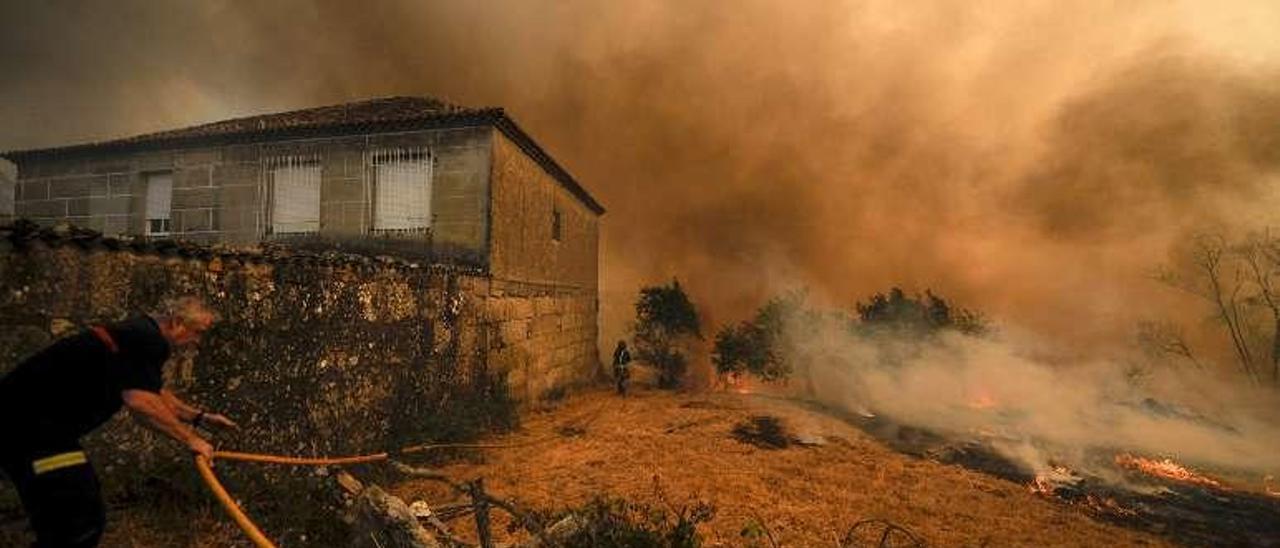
(1166, 468)
(1266, 486)
(983, 401)
(1042, 486)
(1047, 482)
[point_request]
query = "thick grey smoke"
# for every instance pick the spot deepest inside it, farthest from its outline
(1037, 414)
(1033, 160)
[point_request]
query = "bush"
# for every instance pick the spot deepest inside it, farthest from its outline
(763, 431)
(927, 314)
(666, 320)
(762, 346)
(756, 346)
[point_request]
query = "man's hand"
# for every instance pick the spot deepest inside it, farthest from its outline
(158, 414)
(201, 447)
(217, 420)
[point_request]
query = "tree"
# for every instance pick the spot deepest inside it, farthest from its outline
(1166, 339)
(766, 344)
(756, 346)
(918, 315)
(666, 323)
(1236, 279)
(1261, 253)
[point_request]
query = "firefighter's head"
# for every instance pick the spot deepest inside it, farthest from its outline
(184, 319)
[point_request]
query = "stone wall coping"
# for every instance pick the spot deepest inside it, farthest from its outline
(21, 234)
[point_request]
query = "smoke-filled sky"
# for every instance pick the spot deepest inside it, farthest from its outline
(1029, 159)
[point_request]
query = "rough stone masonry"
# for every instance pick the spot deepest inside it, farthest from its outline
(316, 353)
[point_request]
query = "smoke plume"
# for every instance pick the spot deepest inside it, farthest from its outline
(1033, 160)
(1038, 415)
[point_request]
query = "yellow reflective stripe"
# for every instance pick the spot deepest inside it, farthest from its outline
(61, 460)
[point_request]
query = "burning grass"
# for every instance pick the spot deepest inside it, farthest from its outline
(663, 450)
(1168, 469)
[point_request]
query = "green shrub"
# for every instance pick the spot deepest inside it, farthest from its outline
(666, 322)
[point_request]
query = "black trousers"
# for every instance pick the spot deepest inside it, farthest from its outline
(621, 376)
(59, 491)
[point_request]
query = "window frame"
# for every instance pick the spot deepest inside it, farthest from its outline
(298, 162)
(380, 157)
(166, 222)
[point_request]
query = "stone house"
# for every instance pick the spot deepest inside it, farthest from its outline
(410, 173)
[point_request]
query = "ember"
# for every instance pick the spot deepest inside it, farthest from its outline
(1166, 468)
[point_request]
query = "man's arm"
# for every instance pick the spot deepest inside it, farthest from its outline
(189, 413)
(156, 413)
(183, 410)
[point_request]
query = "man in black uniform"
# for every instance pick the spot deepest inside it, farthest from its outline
(621, 367)
(70, 388)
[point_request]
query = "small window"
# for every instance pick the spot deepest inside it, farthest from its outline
(555, 224)
(295, 195)
(159, 203)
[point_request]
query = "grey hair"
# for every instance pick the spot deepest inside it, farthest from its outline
(188, 309)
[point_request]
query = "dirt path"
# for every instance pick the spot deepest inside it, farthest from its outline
(807, 495)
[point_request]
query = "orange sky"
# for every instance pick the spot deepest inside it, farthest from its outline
(1034, 161)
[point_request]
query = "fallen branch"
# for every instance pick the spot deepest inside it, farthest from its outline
(886, 537)
(383, 515)
(434, 521)
(480, 500)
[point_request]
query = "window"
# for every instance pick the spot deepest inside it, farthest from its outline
(402, 196)
(159, 203)
(7, 194)
(555, 224)
(295, 195)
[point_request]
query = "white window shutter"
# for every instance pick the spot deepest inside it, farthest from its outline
(403, 191)
(159, 195)
(295, 203)
(159, 203)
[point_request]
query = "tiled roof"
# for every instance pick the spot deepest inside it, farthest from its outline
(372, 111)
(373, 115)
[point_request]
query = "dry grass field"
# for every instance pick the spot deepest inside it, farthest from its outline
(661, 448)
(670, 449)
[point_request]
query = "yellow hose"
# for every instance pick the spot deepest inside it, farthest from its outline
(255, 535)
(359, 459)
(247, 525)
(299, 461)
(242, 519)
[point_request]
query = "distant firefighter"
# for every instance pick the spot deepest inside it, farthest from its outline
(621, 369)
(73, 386)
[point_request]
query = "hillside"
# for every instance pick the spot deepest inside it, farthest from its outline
(668, 450)
(807, 495)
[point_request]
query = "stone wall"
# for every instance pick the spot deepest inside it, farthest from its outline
(217, 191)
(544, 336)
(525, 201)
(316, 353)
